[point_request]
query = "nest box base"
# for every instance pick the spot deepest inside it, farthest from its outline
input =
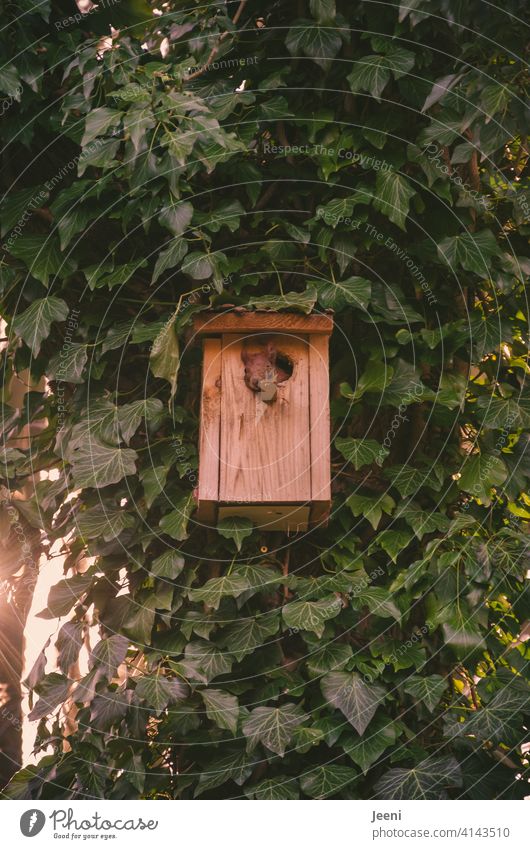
(275, 517)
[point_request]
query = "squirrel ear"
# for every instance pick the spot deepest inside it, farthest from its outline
(245, 355)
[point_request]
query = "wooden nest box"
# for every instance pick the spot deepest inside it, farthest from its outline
(264, 437)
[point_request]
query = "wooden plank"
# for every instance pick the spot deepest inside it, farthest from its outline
(271, 517)
(210, 429)
(320, 428)
(265, 449)
(213, 323)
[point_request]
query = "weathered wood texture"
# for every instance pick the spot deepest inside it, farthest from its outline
(320, 427)
(208, 488)
(212, 323)
(265, 448)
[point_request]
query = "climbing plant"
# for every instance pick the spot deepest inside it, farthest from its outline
(368, 158)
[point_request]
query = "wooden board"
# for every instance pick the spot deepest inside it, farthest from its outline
(265, 448)
(208, 488)
(320, 428)
(274, 517)
(214, 323)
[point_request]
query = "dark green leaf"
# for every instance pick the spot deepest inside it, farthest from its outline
(273, 727)
(357, 700)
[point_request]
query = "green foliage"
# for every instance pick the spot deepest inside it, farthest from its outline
(365, 172)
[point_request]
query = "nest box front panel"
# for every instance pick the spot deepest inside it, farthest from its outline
(265, 442)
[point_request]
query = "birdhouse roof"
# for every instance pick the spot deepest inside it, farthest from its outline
(240, 320)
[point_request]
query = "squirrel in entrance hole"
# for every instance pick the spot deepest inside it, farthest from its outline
(263, 365)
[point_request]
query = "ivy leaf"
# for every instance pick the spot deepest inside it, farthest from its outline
(392, 196)
(495, 98)
(165, 354)
(365, 751)
(168, 565)
(153, 481)
(405, 387)
(139, 620)
(236, 528)
(357, 700)
(43, 257)
(361, 452)
(10, 82)
(371, 508)
(217, 588)
(222, 708)
(98, 465)
(242, 638)
(64, 595)
(335, 210)
(409, 480)
(15, 204)
(321, 44)
(235, 767)
(99, 423)
(53, 691)
(259, 576)
(379, 601)
(480, 473)
(71, 215)
(34, 324)
(428, 689)
(298, 301)
(109, 653)
(278, 788)
(331, 657)
(440, 89)
(421, 522)
(325, 781)
(85, 689)
(394, 542)
(101, 522)
(371, 74)
(400, 61)
(375, 377)
(170, 257)
(100, 155)
(119, 276)
(38, 669)
(69, 644)
(175, 524)
(498, 412)
(69, 365)
(463, 633)
(108, 709)
(473, 251)
(493, 721)
(337, 295)
(159, 691)
(311, 615)
(206, 658)
(198, 266)
(323, 10)
(131, 415)
(98, 122)
(272, 727)
(176, 218)
(427, 780)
